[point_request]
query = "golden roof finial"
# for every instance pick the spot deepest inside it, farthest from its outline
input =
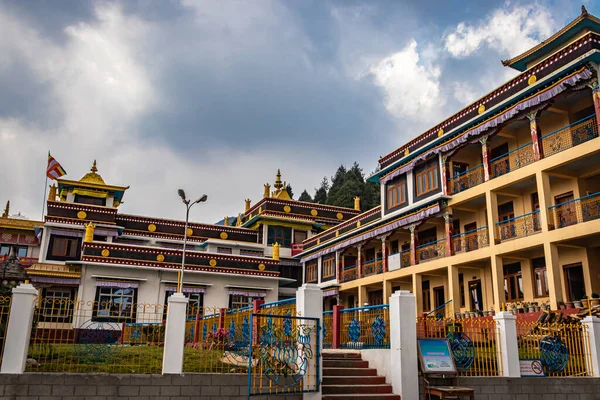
(267, 192)
(357, 203)
(6, 209)
(52, 193)
(278, 185)
(248, 203)
(92, 176)
(94, 169)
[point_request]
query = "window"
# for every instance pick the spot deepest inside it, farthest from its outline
(575, 281)
(328, 267)
(439, 296)
(114, 304)
(4, 250)
(540, 277)
(281, 235)
(427, 236)
(57, 305)
(63, 248)
(311, 272)
(513, 282)
(427, 179)
(224, 250)
(426, 296)
(20, 251)
(461, 284)
(506, 215)
(396, 194)
(253, 253)
(89, 200)
(299, 236)
(241, 301)
(376, 298)
(195, 306)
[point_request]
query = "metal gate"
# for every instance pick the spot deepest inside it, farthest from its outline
(284, 355)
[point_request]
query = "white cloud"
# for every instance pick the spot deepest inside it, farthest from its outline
(412, 88)
(464, 93)
(507, 30)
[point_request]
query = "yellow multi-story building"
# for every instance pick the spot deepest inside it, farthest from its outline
(498, 203)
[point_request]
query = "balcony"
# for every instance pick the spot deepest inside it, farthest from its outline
(349, 273)
(372, 267)
(570, 136)
(575, 211)
(513, 160)
(466, 180)
(521, 226)
(431, 251)
(471, 240)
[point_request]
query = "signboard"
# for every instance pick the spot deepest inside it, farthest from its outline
(436, 356)
(531, 368)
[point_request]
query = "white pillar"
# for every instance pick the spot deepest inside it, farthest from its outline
(309, 303)
(593, 347)
(18, 333)
(403, 345)
(175, 334)
(506, 344)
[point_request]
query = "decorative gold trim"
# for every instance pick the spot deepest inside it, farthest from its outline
(481, 109)
(532, 79)
(160, 258)
(261, 267)
(339, 216)
(105, 253)
(190, 231)
(287, 209)
(151, 227)
(224, 235)
(314, 212)
(212, 263)
(81, 215)
(440, 132)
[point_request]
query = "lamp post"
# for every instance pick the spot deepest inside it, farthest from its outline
(188, 205)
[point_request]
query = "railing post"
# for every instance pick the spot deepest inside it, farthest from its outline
(309, 303)
(18, 332)
(256, 307)
(174, 334)
(592, 346)
(337, 326)
(508, 351)
(403, 345)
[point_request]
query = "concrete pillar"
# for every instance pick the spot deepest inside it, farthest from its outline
(387, 291)
(319, 269)
(485, 156)
(403, 345)
(553, 270)
(454, 289)
(545, 199)
(417, 281)
(593, 347)
(499, 296)
(508, 352)
(491, 201)
(18, 333)
(175, 334)
(363, 296)
(413, 245)
(536, 135)
(528, 283)
(309, 303)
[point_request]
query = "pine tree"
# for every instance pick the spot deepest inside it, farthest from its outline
(322, 191)
(288, 188)
(304, 196)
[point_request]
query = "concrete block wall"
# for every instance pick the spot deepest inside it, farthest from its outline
(498, 388)
(60, 386)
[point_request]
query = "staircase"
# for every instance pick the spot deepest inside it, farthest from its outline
(347, 376)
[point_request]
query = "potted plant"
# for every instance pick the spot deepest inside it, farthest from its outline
(595, 300)
(577, 304)
(520, 307)
(569, 305)
(531, 307)
(585, 303)
(473, 314)
(546, 306)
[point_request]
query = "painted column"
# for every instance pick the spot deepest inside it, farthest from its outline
(338, 273)
(445, 169)
(309, 303)
(256, 307)
(449, 232)
(596, 97)
(384, 255)
(553, 271)
(498, 295)
(359, 272)
(485, 153)
(174, 334)
(403, 345)
(363, 296)
(454, 289)
(491, 201)
(536, 135)
(417, 281)
(18, 331)
(413, 245)
(337, 324)
(508, 352)
(545, 198)
(593, 347)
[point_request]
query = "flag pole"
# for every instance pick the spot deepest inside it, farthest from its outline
(45, 188)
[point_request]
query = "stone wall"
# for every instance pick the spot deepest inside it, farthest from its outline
(60, 386)
(494, 388)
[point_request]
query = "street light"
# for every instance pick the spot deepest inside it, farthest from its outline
(188, 205)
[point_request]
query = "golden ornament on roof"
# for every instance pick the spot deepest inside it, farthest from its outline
(81, 214)
(92, 176)
(160, 258)
(532, 79)
(212, 263)
(314, 212)
(189, 231)
(440, 132)
(151, 227)
(339, 216)
(223, 235)
(261, 267)
(481, 109)
(105, 253)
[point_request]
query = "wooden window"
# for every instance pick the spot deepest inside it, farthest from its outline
(249, 252)
(95, 201)
(513, 282)
(566, 213)
(311, 272)
(64, 247)
(328, 267)
(426, 296)
(114, 304)
(427, 180)
(376, 298)
(224, 250)
(396, 194)
(575, 281)
(427, 236)
(439, 296)
(299, 236)
(240, 301)
(540, 277)
(281, 235)
(195, 305)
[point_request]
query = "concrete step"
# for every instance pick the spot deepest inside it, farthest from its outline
(336, 355)
(336, 371)
(356, 389)
(377, 396)
(353, 380)
(350, 363)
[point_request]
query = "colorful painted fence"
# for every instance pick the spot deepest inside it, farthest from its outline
(5, 302)
(365, 327)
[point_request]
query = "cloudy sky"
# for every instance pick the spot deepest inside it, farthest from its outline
(214, 96)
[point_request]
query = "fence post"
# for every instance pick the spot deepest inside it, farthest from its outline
(508, 351)
(18, 333)
(337, 327)
(175, 334)
(403, 344)
(222, 313)
(592, 347)
(256, 307)
(309, 303)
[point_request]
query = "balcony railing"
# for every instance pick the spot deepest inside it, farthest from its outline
(570, 136)
(466, 180)
(471, 240)
(513, 160)
(349, 273)
(405, 258)
(575, 211)
(431, 251)
(297, 249)
(372, 267)
(521, 226)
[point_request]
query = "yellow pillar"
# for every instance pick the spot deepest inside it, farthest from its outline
(498, 282)
(454, 289)
(387, 291)
(527, 276)
(417, 291)
(544, 197)
(553, 270)
(363, 296)
(491, 201)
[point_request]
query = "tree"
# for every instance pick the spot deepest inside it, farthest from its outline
(288, 188)
(304, 196)
(321, 192)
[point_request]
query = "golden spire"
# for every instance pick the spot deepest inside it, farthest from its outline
(239, 220)
(6, 209)
(267, 192)
(92, 176)
(52, 193)
(94, 169)
(89, 233)
(248, 202)
(278, 185)
(276, 251)
(357, 203)
(226, 221)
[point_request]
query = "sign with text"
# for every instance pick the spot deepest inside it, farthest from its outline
(531, 368)
(436, 356)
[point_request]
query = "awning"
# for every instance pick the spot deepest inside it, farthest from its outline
(115, 284)
(246, 293)
(331, 292)
(60, 281)
(186, 289)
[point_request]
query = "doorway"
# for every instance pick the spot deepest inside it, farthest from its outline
(476, 295)
(575, 282)
(439, 296)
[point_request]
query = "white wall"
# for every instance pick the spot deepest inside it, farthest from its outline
(379, 359)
